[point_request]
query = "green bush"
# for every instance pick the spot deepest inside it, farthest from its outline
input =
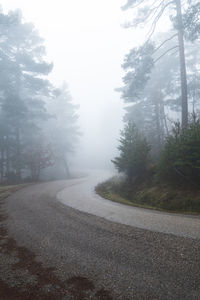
(134, 153)
(180, 160)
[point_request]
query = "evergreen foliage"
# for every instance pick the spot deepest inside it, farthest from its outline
(154, 99)
(185, 21)
(62, 130)
(180, 160)
(138, 65)
(134, 153)
(25, 94)
(191, 22)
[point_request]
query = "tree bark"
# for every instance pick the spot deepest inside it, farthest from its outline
(166, 130)
(184, 94)
(2, 165)
(18, 157)
(7, 156)
(67, 172)
(158, 129)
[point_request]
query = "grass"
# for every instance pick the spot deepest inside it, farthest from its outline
(150, 195)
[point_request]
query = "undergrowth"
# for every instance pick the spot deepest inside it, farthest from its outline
(152, 195)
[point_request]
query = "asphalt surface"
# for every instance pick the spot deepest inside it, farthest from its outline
(99, 258)
(82, 196)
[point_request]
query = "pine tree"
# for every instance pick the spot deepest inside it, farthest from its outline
(62, 128)
(148, 13)
(134, 153)
(23, 88)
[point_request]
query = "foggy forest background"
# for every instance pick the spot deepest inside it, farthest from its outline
(161, 88)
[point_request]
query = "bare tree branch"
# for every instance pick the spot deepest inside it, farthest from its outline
(167, 40)
(130, 4)
(175, 47)
(156, 19)
(175, 52)
(156, 8)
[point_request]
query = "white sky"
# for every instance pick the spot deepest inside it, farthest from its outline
(87, 44)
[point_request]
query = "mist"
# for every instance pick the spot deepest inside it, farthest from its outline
(99, 149)
(90, 46)
(86, 44)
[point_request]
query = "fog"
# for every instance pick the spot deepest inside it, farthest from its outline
(86, 42)
(99, 149)
(89, 46)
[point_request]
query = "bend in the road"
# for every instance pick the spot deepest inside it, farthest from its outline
(81, 196)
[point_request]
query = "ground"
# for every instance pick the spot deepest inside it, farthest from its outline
(51, 251)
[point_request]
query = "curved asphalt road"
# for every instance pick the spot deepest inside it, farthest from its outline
(83, 197)
(119, 261)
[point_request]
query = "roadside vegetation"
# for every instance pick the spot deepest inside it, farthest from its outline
(159, 148)
(170, 183)
(151, 195)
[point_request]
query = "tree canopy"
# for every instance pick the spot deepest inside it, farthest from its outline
(25, 92)
(185, 22)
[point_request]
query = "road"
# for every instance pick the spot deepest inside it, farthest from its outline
(55, 251)
(85, 199)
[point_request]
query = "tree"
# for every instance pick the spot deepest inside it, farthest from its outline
(184, 95)
(134, 153)
(191, 22)
(23, 88)
(146, 12)
(150, 100)
(37, 121)
(138, 65)
(180, 158)
(158, 105)
(62, 128)
(39, 156)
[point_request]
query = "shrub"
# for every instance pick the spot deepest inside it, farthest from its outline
(180, 160)
(134, 153)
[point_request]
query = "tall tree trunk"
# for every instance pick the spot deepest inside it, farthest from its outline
(7, 156)
(67, 172)
(18, 156)
(184, 95)
(158, 129)
(164, 119)
(2, 164)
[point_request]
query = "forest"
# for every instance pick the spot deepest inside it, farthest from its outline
(38, 121)
(159, 148)
(100, 150)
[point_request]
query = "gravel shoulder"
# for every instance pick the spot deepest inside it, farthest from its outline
(52, 251)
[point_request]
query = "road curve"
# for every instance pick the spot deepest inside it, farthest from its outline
(81, 196)
(91, 257)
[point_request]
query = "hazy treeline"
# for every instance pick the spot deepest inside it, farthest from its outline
(157, 105)
(37, 120)
(162, 89)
